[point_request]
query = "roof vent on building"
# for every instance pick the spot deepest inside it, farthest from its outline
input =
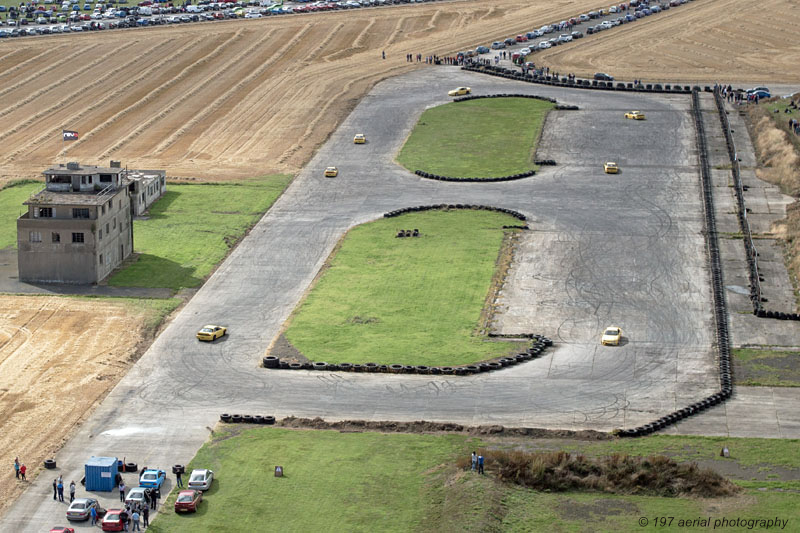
(72, 165)
(116, 164)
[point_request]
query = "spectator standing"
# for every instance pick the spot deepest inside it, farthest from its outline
(146, 516)
(123, 516)
(135, 518)
(55, 489)
(383, 54)
(60, 487)
(71, 491)
(156, 496)
(474, 461)
(93, 514)
(16, 467)
(122, 491)
(179, 479)
(480, 464)
(22, 470)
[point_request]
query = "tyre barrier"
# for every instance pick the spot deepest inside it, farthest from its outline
(504, 95)
(508, 73)
(225, 417)
(398, 212)
(536, 350)
(270, 361)
(131, 467)
(178, 468)
(717, 291)
(751, 254)
(247, 419)
(437, 177)
(50, 464)
(544, 162)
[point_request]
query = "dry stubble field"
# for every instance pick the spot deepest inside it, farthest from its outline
(241, 98)
(58, 357)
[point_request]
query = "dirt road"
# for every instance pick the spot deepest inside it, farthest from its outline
(58, 357)
(241, 98)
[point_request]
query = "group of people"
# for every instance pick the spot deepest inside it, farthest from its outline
(19, 469)
(477, 463)
(133, 513)
(58, 490)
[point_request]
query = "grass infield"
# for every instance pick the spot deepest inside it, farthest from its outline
(411, 301)
(410, 482)
(191, 229)
(484, 138)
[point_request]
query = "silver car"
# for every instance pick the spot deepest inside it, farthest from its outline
(200, 479)
(136, 495)
(81, 508)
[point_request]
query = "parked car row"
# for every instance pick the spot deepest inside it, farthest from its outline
(74, 17)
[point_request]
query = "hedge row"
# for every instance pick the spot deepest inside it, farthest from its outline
(537, 348)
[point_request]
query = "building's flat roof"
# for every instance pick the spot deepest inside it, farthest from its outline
(58, 170)
(45, 197)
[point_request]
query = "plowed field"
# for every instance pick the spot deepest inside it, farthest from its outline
(58, 356)
(240, 98)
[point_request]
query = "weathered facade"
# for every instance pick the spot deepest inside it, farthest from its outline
(78, 229)
(146, 186)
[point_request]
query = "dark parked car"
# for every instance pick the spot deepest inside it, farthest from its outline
(602, 76)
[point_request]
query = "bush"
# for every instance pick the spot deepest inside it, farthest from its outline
(561, 471)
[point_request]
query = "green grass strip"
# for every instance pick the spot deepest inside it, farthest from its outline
(484, 138)
(192, 228)
(332, 482)
(411, 301)
(11, 198)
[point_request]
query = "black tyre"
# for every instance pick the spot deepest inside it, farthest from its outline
(50, 464)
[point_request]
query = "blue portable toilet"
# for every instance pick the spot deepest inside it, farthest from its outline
(101, 473)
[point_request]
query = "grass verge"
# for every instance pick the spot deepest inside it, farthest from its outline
(411, 482)
(192, 228)
(411, 301)
(11, 198)
(483, 138)
(766, 368)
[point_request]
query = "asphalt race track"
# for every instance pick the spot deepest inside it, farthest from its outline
(626, 250)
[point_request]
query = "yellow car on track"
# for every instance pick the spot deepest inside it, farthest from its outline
(460, 91)
(610, 167)
(611, 336)
(331, 172)
(359, 139)
(635, 115)
(211, 333)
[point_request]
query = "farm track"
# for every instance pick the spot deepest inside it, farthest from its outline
(204, 101)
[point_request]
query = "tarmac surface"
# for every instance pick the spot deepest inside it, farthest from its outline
(626, 250)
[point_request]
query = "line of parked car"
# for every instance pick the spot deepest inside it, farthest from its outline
(626, 11)
(71, 16)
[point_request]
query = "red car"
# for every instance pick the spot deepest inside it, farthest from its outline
(521, 39)
(112, 521)
(187, 500)
(62, 529)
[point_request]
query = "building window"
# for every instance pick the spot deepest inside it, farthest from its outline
(77, 237)
(107, 231)
(36, 236)
(100, 235)
(80, 212)
(102, 209)
(114, 223)
(46, 212)
(101, 259)
(56, 237)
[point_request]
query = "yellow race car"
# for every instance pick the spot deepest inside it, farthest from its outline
(635, 115)
(611, 336)
(359, 139)
(460, 91)
(610, 167)
(211, 333)
(331, 172)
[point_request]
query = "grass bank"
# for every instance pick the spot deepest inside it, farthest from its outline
(11, 198)
(476, 139)
(412, 482)
(191, 229)
(766, 368)
(411, 301)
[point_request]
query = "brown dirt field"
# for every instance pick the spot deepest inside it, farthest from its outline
(704, 41)
(241, 98)
(58, 358)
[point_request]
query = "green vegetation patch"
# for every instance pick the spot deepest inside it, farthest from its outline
(767, 368)
(411, 301)
(332, 481)
(11, 198)
(191, 229)
(483, 138)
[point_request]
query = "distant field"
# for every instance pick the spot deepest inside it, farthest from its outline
(191, 228)
(411, 301)
(11, 198)
(409, 482)
(476, 139)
